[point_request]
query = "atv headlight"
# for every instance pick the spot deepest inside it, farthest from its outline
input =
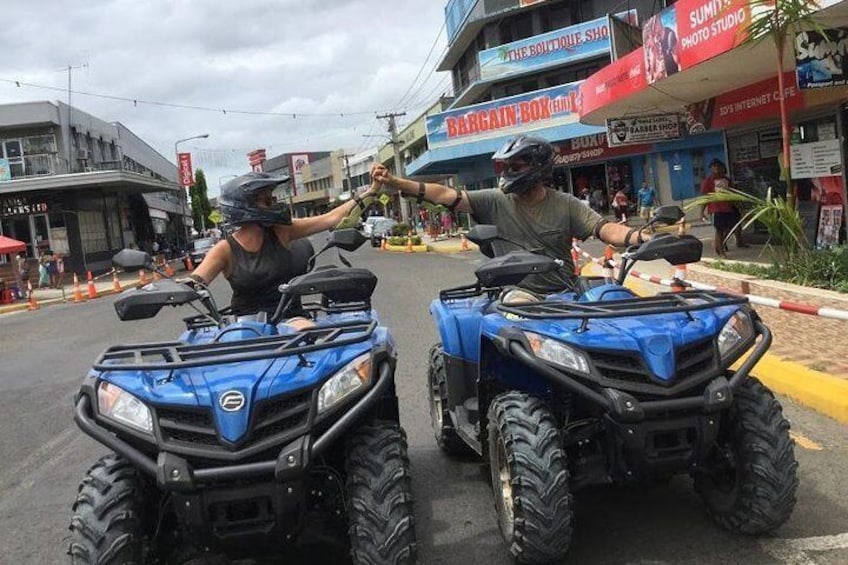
(121, 406)
(354, 376)
(557, 353)
(739, 329)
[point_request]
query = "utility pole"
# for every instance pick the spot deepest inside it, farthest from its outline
(347, 172)
(404, 213)
(70, 68)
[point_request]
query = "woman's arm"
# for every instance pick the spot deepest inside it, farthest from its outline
(304, 227)
(215, 262)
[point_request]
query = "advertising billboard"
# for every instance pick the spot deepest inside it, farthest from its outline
(821, 60)
(186, 176)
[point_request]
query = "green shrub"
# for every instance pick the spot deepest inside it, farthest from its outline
(820, 268)
(399, 230)
(416, 240)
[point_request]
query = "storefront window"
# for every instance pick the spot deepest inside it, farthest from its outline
(754, 162)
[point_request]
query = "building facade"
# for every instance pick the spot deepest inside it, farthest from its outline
(727, 90)
(82, 187)
(517, 67)
(296, 193)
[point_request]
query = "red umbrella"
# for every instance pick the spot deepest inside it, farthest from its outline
(9, 245)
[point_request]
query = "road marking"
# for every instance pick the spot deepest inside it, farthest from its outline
(794, 551)
(805, 442)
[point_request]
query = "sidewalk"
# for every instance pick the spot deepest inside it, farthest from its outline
(104, 286)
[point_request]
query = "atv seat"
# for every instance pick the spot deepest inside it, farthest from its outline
(301, 250)
(514, 295)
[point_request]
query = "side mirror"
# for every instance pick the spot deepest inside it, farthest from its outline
(482, 233)
(132, 260)
(667, 215)
(348, 239)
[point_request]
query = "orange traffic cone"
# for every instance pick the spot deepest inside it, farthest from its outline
(77, 290)
(575, 257)
(678, 279)
(33, 304)
(116, 284)
(168, 269)
(142, 277)
(409, 242)
(189, 264)
(607, 267)
(463, 245)
(92, 290)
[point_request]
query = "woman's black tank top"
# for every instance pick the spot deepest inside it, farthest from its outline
(255, 277)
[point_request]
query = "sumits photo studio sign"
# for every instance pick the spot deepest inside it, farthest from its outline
(822, 60)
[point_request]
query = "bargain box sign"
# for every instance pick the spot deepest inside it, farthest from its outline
(690, 32)
(565, 45)
(540, 109)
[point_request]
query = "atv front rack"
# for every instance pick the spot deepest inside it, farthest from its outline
(178, 355)
(664, 303)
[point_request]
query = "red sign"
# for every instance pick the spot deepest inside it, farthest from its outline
(754, 102)
(617, 80)
(186, 176)
(256, 158)
(691, 32)
(592, 148)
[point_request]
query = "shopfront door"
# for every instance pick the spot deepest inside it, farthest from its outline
(40, 226)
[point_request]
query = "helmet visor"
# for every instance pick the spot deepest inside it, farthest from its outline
(512, 167)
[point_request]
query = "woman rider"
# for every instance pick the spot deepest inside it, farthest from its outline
(257, 257)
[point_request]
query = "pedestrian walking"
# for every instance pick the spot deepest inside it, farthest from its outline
(647, 199)
(725, 216)
(620, 203)
(43, 273)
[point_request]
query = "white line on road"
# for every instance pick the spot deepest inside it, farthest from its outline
(794, 551)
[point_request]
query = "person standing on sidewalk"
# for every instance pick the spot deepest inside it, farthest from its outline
(525, 208)
(647, 199)
(725, 215)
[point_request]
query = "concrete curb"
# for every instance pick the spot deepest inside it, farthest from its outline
(816, 390)
(402, 248)
(51, 301)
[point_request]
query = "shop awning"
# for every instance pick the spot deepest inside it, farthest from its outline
(164, 202)
(621, 88)
(9, 245)
(154, 213)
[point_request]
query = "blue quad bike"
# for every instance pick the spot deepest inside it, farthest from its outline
(601, 386)
(245, 438)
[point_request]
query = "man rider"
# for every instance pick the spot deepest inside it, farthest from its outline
(525, 209)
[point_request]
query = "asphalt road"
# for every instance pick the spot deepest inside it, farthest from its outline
(44, 355)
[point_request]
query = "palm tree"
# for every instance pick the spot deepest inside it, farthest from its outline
(779, 21)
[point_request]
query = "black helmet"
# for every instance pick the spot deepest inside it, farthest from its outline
(238, 200)
(534, 151)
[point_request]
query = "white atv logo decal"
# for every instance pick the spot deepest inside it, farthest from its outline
(231, 401)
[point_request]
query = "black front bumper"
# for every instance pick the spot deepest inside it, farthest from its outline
(624, 407)
(176, 473)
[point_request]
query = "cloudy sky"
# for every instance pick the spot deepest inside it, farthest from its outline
(342, 61)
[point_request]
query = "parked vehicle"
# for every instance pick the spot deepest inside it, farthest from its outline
(245, 437)
(601, 386)
(200, 247)
(368, 224)
(381, 229)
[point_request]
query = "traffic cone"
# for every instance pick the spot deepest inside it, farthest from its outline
(188, 263)
(678, 278)
(142, 277)
(383, 243)
(575, 258)
(607, 267)
(409, 242)
(116, 284)
(92, 290)
(463, 246)
(33, 304)
(168, 269)
(77, 290)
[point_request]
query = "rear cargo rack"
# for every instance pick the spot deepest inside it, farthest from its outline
(664, 303)
(178, 355)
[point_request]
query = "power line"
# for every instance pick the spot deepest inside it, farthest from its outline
(225, 111)
(424, 82)
(424, 64)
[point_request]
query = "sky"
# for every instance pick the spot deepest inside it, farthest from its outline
(343, 61)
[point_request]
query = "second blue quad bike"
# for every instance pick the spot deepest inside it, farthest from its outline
(245, 437)
(601, 386)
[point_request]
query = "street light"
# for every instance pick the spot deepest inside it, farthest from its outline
(185, 201)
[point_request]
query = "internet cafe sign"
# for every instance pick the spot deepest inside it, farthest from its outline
(642, 129)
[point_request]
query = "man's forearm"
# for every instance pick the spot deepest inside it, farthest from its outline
(433, 192)
(616, 234)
